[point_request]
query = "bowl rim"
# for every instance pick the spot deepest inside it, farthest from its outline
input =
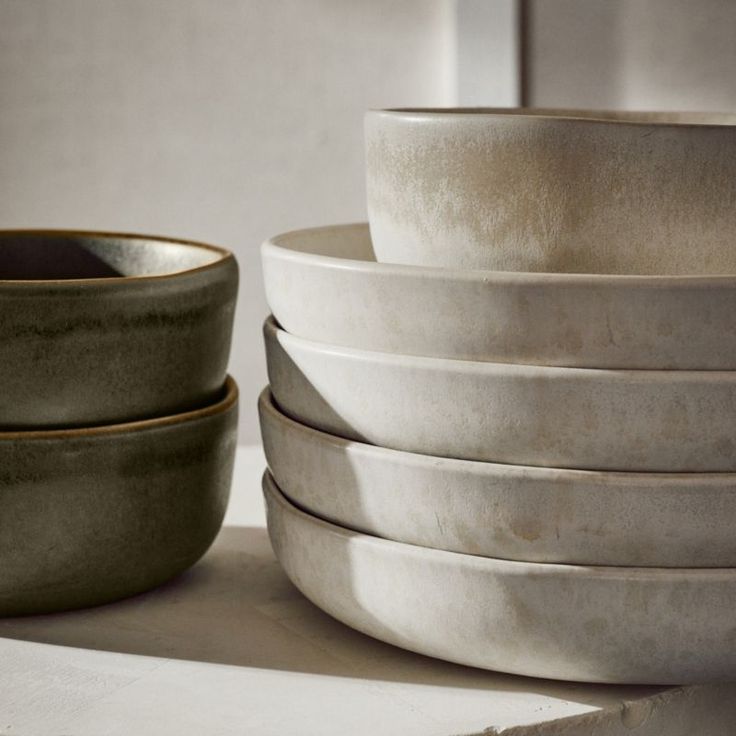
(222, 405)
(273, 331)
(224, 254)
(602, 478)
(277, 246)
(497, 565)
(580, 115)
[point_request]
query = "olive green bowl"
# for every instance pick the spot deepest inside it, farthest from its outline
(102, 328)
(89, 516)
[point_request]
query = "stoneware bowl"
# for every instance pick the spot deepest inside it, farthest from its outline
(324, 284)
(553, 190)
(507, 511)
(103, 328)
(665, 421)
(595, 624)
(92, 515)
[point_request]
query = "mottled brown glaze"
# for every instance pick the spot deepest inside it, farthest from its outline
(88, 516)
(112, 328)
(553, 190)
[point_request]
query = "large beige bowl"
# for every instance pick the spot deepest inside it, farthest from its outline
(553, 190)
(665, 421)
(508, 511)
(595, 624)
(324, 284)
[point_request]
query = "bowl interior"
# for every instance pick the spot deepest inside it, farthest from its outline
(351, 242)
(40, 256)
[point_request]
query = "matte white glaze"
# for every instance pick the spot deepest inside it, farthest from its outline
(324, 284)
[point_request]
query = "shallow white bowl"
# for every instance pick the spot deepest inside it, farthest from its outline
(567, 191)
(506, 511)
(597, 624)
(663, 421)
(324, 284)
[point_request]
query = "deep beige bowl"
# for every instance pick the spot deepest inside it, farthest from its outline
(553, 190)
(92, 515)
(661, 421)
(593, 624)
(324, 284)
(512, 512)
(100, 328)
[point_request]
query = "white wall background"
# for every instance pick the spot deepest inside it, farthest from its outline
(220, 120)
(231, 120)
(632, 54)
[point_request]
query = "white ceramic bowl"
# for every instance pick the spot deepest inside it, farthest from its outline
(506, 511)
(324, 284)
(663, 421)
(553, 190)
(596, 624)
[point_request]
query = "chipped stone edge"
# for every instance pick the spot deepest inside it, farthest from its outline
(705, 710)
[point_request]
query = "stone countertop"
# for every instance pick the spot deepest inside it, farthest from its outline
(232, 648)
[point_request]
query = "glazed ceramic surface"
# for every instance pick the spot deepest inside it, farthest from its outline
(324, 284)
(103, 328)
(507, 511)
(553, 190)
(92, 515)
(666, 421)
(595, 624)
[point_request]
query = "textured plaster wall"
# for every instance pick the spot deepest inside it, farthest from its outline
(220, 120)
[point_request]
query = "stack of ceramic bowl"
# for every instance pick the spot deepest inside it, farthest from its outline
(517, 450)
(117, 420)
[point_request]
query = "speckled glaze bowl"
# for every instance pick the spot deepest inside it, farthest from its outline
(593, 624)
(100, 328)
(661, 421)
(89, 516)
(564, 191)
(324, 284)
(507, 511)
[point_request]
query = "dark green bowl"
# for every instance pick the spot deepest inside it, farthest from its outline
(88, 516)
(101, 328)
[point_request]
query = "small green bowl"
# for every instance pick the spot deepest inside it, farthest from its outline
(102, 328)
(89, 516)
